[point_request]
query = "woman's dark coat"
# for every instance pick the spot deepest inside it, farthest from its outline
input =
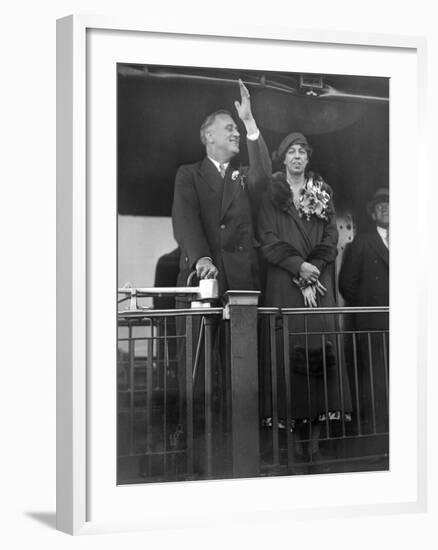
(318, 377)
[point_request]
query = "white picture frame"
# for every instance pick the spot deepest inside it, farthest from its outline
(77, 368)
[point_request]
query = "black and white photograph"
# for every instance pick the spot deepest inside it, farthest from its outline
(252, 273)
(202, 347)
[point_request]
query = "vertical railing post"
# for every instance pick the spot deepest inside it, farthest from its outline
(241, 312)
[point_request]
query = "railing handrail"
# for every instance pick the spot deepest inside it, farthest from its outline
(141, 314)
(320, 310)
(153, 313)
(206, 292)
(158, 290)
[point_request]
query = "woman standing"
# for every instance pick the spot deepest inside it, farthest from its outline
(298, 235)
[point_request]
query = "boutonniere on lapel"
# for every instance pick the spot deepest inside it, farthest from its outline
(314, 198)
(239, 177)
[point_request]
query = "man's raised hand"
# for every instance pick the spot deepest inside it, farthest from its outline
(243, 107)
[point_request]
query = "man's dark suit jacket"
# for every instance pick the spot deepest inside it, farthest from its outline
(364, 278)
(214, 217)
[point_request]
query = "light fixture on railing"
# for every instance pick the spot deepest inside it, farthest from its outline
(203, 295)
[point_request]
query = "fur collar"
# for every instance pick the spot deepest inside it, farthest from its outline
(280, 191)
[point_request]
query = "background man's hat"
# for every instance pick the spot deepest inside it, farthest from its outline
(288, 141)
(381, 195)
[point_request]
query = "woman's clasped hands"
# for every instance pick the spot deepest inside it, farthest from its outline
(309, 284)
(310, 292)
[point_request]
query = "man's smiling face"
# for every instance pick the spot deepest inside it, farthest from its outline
(223, 138)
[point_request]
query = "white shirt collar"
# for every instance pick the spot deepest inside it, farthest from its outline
(383, 232)
(217, 164)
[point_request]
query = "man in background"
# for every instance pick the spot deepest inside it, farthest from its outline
(364, 281)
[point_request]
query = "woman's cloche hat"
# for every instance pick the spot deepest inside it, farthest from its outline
(288, 141)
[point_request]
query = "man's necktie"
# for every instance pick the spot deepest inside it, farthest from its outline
(222, 170)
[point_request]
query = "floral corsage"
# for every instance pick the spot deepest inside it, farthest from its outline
(238, 177)
(314, 199)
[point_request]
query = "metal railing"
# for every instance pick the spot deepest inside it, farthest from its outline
(348, 380)
(155, 389)
(192, 389)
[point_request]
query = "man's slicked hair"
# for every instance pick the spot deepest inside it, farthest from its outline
(208, 121)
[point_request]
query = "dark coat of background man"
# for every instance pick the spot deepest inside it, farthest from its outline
(364, 275)
(364, 281)
(214, 203)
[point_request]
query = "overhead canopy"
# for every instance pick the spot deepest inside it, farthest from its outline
(160, 110)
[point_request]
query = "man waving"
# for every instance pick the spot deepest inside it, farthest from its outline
(214, 202)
